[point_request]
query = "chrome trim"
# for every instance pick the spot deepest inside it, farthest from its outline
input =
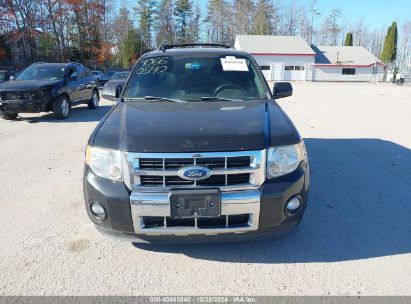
(157, 204)
(213, 172)
(256, 170)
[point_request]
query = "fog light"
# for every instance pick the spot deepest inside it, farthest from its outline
(293, 205)
(97, 209)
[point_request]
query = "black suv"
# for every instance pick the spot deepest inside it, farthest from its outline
(196, 149)
(48, 87)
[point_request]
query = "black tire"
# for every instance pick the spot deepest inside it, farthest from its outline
(61, 107)
(8, 115)
(94, 101)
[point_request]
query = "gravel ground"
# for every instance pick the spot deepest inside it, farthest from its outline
(355, 238)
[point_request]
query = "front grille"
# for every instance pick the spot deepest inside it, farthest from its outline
(215, 180)
(212, 163)
(239, 170)
(16, 96)
(223, 221)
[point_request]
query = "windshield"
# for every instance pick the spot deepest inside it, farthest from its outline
(95, 73)
(38, 72)
(193, 78)
(121, 75)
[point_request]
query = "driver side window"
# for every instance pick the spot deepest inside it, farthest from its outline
(72, 74)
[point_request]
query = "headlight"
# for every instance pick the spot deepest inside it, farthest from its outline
(105, 163)
(285, 159)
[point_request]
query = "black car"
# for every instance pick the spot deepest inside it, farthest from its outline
(112, 89)
(197, 149)
(46, 87)
(106, 77)
(5, 75)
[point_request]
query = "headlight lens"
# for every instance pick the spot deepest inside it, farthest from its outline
(105, 163)
(285, 159)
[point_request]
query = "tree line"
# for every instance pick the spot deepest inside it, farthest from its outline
(102, 33)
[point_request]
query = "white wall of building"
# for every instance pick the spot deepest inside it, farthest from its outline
(284, 67)
(334, 73)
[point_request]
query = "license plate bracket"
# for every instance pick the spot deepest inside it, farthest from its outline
(195, 203)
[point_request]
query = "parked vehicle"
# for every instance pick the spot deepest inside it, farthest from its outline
(97, 75)
(106, 77)
(5, 75)
(112, 89)
(196, 150)
(46, 87)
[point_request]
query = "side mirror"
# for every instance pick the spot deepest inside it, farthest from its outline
(119, 90)
(11, 77)
(282, 89)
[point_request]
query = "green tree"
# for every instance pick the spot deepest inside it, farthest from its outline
(164, 22)
(5, 52)
(348, 40)
(46, 47)
(132, 48)
(147, 10)
(182, 12)
(262, 21)
(389, 52)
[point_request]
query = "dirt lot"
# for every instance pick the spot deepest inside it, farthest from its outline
(355, 237)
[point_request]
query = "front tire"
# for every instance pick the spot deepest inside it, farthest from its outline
(8, 115)
(94, 101)
(61, 107)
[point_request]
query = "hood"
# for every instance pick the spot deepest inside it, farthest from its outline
(194, 127)
(116, 81)
(26, 85)
(106, 77)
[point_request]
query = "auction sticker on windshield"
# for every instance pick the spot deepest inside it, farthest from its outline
(155, 65)
(231, 63)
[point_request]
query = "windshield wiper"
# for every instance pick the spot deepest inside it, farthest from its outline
(152, 98)
(210, 98)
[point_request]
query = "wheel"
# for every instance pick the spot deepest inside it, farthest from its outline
(8, 115)
(61, 107)
(94, 101)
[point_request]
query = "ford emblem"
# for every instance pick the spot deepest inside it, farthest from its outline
(194, 173)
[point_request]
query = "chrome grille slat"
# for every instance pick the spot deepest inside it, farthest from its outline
(230, 171)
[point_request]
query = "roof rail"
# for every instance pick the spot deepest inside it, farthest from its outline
(164, 47)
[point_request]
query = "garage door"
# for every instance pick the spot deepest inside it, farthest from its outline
(278, 71)
(294, 72)
(266, 70)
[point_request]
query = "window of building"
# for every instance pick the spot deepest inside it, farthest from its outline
(294, 68)
(265, 68)
(349, 71)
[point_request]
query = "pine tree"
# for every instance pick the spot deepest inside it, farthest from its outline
(146, 10)
(132, 48)
(164, 23)
(182, 12)
(217, 21)
(348, 40)
(262, 20)
(195, 25)
(389, 52)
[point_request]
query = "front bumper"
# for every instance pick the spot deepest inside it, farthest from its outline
(266, 207)
(24, 106)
